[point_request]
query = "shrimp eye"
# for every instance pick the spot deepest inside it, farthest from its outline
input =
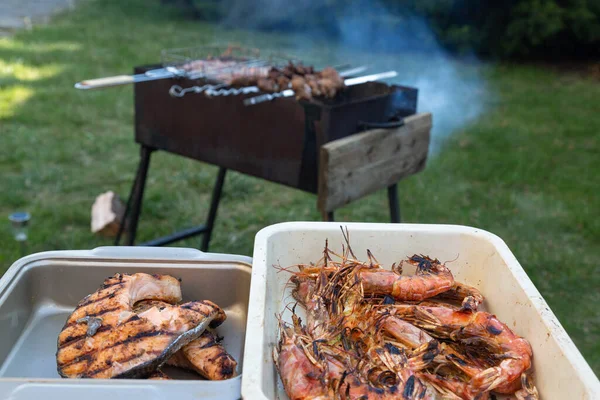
(387, 379)
(382, 378)
(493, 330)
(392, 349)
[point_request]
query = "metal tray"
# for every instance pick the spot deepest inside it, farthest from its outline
(483, 261)
(38, 293)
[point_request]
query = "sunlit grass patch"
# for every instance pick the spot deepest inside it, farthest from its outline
(11, 98)
(23, 72)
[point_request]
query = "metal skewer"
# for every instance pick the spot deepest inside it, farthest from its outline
(173, 72)
(348, 82)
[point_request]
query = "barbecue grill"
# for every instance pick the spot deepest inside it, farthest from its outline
(276, 139)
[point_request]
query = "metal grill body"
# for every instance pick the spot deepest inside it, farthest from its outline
(277, 141)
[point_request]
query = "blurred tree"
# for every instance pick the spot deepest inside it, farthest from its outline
(542, 29)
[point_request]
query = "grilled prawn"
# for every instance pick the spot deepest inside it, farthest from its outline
(514, 353)
(430, 279)
(312, 369)
(300, 376)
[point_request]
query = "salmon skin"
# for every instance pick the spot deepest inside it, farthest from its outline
(204, 355)
(104, 338)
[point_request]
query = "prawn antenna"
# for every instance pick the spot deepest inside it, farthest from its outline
(457, 255)
(346, 235)
(372, 258)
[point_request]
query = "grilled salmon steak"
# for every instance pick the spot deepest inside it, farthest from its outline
(104, 338)
(204, 355)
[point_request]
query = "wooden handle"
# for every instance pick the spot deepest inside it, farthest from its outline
(105, 82)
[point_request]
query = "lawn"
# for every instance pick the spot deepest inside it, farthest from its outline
(526, 169)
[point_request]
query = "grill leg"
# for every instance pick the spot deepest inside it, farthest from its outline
(137, 194)
(394, 203)
(127, 208)
(328, 216)
(214, 206)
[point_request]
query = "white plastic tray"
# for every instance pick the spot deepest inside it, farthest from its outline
(483, 261)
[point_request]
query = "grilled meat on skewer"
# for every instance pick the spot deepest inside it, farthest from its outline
(268, 85)
(301, 88)
(304, 80)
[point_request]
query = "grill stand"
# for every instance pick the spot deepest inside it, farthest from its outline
(394, 203)
(134, 206)
(232, 137)
(392, 199)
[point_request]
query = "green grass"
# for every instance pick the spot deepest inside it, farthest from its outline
(527, 170)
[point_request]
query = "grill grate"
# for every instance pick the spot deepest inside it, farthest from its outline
(222, 63)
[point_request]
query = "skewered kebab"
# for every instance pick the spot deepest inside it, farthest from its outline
(208, 65)
(347, 82)
(303, 80)
(224, 89)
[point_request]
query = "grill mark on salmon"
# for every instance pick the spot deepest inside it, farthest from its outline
(72, 339)
(95, 372)
(188, 308)
(114, 335)
(107, 285)
(124, 359)
(137, 337)
(95, 300)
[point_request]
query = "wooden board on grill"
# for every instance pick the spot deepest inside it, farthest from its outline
(358, 165)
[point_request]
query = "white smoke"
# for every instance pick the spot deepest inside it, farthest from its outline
(367, 34)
